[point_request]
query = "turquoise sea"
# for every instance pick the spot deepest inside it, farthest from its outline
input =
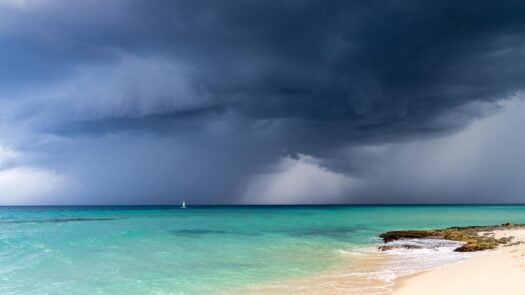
(201, 249)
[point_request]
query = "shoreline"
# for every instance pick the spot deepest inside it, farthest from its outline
(497, 271)
(423, 264)
(347, 278)
(368, 270)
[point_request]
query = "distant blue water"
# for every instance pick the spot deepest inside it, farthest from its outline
(199, 250)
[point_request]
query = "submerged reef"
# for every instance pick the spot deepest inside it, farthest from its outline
(473, 238)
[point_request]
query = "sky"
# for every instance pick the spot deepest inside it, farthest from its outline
(261, 102)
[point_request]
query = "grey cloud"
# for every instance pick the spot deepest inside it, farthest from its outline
(281, 77)
(481, 164)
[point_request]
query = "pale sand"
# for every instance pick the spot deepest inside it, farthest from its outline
(498, 272)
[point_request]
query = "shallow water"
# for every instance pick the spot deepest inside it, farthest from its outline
(205, 250)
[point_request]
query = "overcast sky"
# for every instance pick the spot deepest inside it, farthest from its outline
(292, 101)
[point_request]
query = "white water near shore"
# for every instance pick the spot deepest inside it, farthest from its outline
(372, 271)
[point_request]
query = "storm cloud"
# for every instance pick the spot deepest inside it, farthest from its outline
(134, 102)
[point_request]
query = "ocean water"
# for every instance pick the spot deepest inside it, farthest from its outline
(216, 249)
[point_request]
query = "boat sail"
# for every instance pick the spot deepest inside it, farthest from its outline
(183, 205)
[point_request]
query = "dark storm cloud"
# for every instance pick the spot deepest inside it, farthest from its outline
(360, 65)
(283, 77)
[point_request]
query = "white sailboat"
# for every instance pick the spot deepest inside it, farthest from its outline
(183, 205)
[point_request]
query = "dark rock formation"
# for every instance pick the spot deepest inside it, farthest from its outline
(403, 246)
(475, 238)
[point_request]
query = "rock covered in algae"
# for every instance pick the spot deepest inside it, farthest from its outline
(474, 238)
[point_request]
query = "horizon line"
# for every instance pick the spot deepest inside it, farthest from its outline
(270, 205)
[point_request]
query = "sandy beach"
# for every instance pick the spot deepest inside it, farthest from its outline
(500, 271)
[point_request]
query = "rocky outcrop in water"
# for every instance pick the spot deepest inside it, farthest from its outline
(474, 238)
(403, 246)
